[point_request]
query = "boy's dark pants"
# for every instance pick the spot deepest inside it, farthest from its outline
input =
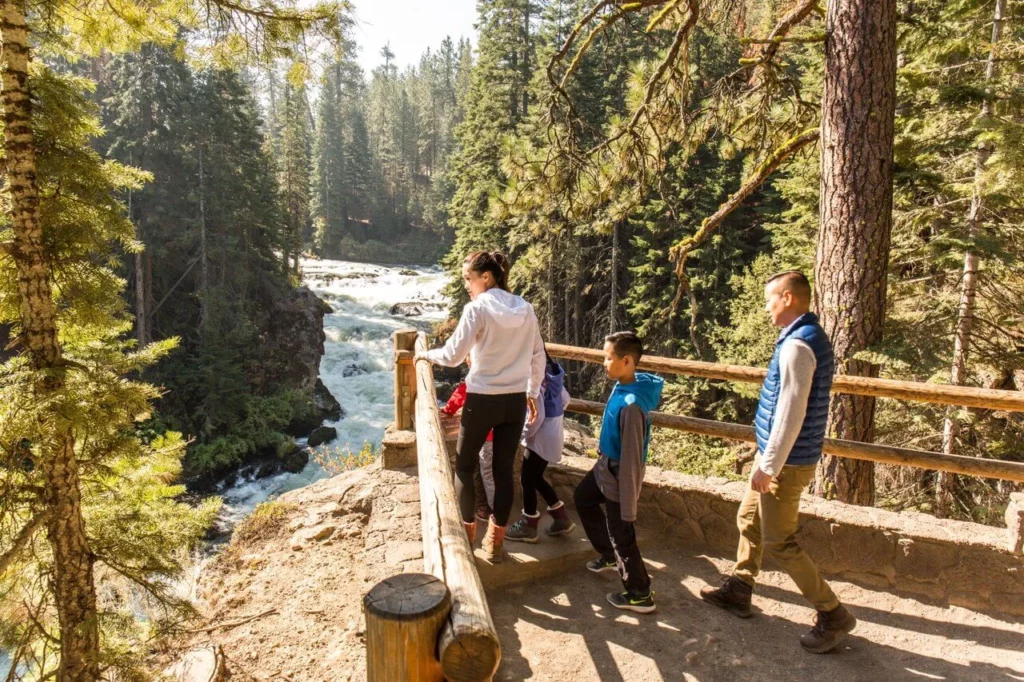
(612, 537)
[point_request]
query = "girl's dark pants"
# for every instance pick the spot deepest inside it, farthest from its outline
(505, 414)
(532, 479)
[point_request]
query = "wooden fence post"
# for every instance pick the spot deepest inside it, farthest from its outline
(405, 379)
(403, 617)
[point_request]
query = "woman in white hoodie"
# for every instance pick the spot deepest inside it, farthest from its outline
(499, 331)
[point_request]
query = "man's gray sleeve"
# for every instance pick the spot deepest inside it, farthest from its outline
(796, 368)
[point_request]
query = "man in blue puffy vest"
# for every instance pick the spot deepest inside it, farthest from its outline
(615, 480)
(792, 414)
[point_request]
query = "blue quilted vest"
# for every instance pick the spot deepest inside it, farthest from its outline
(645, 392)
(807, 449)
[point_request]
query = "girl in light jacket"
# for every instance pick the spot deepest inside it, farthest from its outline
(499, 331)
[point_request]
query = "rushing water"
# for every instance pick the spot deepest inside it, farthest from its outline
(357, 366)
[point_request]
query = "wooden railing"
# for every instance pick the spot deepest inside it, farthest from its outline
(967, 396)
(905, 390)
(437, 625)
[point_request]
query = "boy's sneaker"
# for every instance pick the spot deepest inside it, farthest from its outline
(561, 524)
(524, 530)
(623, 600)
(599, 565)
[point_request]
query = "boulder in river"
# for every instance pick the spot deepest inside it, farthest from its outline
(407, 309)
(321, 435)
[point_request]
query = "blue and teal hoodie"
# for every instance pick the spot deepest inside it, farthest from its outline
(644, 392)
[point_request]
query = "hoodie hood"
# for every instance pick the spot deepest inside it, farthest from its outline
(645, 391)
(554, 381)
(507, 310)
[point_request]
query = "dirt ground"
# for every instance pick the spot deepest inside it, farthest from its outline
(303, 586)
(564, 629)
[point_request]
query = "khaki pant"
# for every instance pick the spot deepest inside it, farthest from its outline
(769, 521)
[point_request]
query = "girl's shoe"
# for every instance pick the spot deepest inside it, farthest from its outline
(525, 529)
(561, 524)
(493, 542)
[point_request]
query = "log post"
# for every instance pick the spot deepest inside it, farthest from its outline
(403, 616)
(468, 645)
(405, 378)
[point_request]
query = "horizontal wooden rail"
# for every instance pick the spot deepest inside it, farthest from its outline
(957, 464)
(467, 646)
(967, 396)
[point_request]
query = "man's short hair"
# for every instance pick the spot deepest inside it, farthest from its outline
(794, 281)
(626, 343)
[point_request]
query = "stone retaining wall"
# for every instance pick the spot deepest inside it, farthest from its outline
(944, 561)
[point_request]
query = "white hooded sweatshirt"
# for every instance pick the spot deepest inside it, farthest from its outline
(499, 332)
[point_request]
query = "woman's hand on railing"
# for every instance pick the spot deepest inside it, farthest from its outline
(420, 355)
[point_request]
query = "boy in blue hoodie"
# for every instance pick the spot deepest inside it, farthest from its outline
(616, 478)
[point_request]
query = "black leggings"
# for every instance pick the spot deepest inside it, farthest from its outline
(505, 414)
(533, 482)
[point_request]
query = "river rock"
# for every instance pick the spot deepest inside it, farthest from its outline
(326, 403)
(321, 435)
(352, 370)
(409, 273)
(296, 461)
(407, 309)
(291, 343)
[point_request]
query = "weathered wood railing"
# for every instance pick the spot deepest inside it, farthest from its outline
(462, 646)
(967, 396)
(468, 645)
(886, 388)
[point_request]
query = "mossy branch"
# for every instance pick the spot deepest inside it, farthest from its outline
(681, 251)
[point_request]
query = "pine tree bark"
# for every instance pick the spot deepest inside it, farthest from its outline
(613, 312)
(140, 302)
(204, 265)
(945, 483)
(72, 582)
(852, 259)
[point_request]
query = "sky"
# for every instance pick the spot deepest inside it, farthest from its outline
(410, 27)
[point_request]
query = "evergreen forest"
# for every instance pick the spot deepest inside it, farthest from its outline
(646, 165)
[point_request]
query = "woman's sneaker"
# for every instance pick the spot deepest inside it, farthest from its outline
(623, 600)
(560, 522)
(599, 565)
(524, 530)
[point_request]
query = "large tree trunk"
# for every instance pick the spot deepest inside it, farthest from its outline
(72, 581)
(140, 302)
(945, 483)
(204, 265)
(852, 257)
(613, 308)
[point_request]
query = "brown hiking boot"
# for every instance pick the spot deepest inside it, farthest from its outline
(470, 532)
(733, 596)
(829, 628)
(493, 542)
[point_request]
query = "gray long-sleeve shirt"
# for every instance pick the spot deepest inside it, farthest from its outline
(625, 487)
(796, 375)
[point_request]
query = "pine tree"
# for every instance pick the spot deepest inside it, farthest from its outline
(495, 105)
(294, 172)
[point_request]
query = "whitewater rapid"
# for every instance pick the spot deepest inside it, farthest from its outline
(357, 366)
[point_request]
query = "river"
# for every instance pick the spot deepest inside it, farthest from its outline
(357, 365)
